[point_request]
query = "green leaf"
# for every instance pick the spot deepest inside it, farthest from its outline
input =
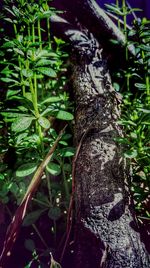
(26, 169)
(28, 95)
(20, 137)
(63, 143)
(33, 217)
(21, 124)
(12, 92)
(14, 188)
(43, 62)
(144, 110)
(35, 139)
(48, 111)
(15, 98)
(8, 44)
(27, 73)
(145, 123)
(116, 86)
(47, 71)
(8, 80)
(145, 48)
(18, 51)
(131, 154)
(53, 168)
(67, 152)
(40, 54)
(116, 10)
(2, 177)
(126, 122)
(44, 122)
(6, 71)
(45, 14)
(59, 41)
(9, 20)
(121, 140)
(63, 115)
(12, 114)
(133, 135)
(52, 99)
(140, 86)
(67, 167)
(29, 244)
(53, 133)
(66, 136)
(54, 213)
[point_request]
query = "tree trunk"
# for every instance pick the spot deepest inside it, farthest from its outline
(106, 233)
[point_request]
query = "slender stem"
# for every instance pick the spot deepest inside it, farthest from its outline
(39, 34)
(20, 65)
(33, 88)
(48, 33)
(48, 28)
(38, 127)
(147, 81)
(49, 188)
(33, 33)
(128, 82)
(29, 34)
(65, 183)
(41, 202)
(39, 235)
(117, 4)
(148, 88)
(34, 99)
(124, 7)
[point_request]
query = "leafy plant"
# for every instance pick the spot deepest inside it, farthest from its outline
(33, 107)
(133, 83)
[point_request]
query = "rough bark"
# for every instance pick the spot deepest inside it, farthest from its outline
(106, 231)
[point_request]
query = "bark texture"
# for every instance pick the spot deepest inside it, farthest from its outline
(106, 231)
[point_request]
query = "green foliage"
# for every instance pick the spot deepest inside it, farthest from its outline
(134, 84)
(138, 105)
(33, 107)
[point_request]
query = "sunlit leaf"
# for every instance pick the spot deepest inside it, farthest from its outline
(63, 115)
(145, 48)
(130, 154)
(43, 62)
(27, 73)
(67, 152)
(53, 169)
(21, 124)
(47, 71)
(140, 86)
(19, 51)
(51, 99)
(44, 122)
(11, 92)
(26, 169)
(8, 80)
